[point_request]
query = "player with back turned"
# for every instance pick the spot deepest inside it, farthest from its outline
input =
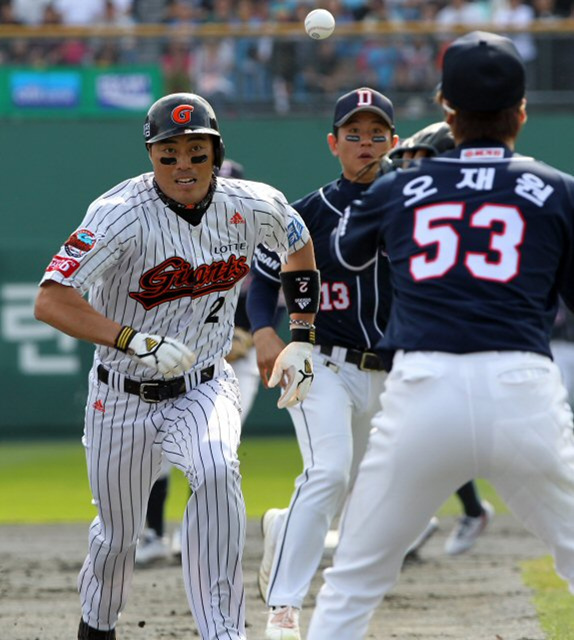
(162, 257)
(481, 243)
(333, 423)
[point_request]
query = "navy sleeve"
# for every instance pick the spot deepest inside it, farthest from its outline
(567, 271)
(262, 301)
(356, 241)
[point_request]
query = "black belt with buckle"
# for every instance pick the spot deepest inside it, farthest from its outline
(156, 390)
(364, 360)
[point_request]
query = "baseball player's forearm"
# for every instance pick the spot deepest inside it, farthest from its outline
(302, 260)
(261, 303)
(65, 309)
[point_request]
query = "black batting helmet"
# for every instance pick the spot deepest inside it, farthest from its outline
(180, 113)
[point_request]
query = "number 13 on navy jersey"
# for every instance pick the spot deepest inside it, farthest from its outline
(482, 225)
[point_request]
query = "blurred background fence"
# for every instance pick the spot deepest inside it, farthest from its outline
(74, 88)
(253, 58)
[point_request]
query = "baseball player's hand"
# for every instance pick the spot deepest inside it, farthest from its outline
(166, 355)
(294, 371)
(428, 142)
(268, 345)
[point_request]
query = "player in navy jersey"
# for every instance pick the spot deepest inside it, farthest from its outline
(333, 424)
(480, 242)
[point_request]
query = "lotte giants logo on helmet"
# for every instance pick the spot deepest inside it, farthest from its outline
(182, 114)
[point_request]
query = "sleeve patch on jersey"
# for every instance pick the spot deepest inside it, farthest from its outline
(80, 242)
(63, 265)
(294, 232)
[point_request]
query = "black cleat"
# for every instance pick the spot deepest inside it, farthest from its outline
(85, 632)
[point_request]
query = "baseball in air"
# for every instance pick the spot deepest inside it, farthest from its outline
(319, 24)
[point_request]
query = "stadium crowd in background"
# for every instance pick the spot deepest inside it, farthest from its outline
(277, 73)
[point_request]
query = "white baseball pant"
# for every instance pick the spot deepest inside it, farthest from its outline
(446, 419)
(332, 426)
(125, 439)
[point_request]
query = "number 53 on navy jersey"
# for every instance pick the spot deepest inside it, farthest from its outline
(476, 240)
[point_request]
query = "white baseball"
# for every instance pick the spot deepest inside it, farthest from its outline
(319, 24)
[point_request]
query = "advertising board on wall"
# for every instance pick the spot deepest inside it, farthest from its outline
(78, 92)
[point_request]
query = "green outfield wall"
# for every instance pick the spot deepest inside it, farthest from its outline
(52, 170)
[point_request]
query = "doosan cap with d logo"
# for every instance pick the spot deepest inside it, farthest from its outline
(363, 99)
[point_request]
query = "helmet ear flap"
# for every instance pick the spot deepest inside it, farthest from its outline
(218, 151)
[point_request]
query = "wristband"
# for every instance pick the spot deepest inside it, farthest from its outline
(302, 290)
(124, 338)
(302, 331)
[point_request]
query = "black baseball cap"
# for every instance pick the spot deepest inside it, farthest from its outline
(363, 99)
(483, 72)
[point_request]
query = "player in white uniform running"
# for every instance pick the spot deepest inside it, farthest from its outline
(162, 257)
(154, 544)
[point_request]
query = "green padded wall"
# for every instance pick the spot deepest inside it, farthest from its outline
(50, 172)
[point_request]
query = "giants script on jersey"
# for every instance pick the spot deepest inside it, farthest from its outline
(176, 278)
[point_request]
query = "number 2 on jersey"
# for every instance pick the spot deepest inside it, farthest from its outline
(431, 228)
(215, 307)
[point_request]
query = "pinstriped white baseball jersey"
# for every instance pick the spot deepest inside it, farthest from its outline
(180, 278)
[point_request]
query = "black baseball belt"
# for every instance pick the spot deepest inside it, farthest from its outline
(156, 390)
(363, 360)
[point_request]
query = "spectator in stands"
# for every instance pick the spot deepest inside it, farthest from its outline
(213, 71)
(518, 14)
(283, 64)
(252, 77)
(7, 15)
(223, 12)
(149, 11)
(29, 11)
(84, 13)
(181, 12)
(416, 70)
(358, 9)
(544, 9)
(406, 10)
(377, 63)
(177, 66)
(327, 71)
(47, 52)
(461, 12)
(118, 13)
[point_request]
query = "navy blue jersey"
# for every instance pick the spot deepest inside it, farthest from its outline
(354, 308)
(480, 242)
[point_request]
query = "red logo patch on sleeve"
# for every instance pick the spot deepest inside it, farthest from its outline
(80, 242)
(65, 266)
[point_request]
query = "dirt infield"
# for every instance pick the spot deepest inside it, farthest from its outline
(477, 596)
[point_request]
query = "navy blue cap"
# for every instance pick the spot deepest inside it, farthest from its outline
(363, 99)
(483, 72)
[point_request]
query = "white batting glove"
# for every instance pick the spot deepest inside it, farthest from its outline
(166, 355)
(294, 369)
